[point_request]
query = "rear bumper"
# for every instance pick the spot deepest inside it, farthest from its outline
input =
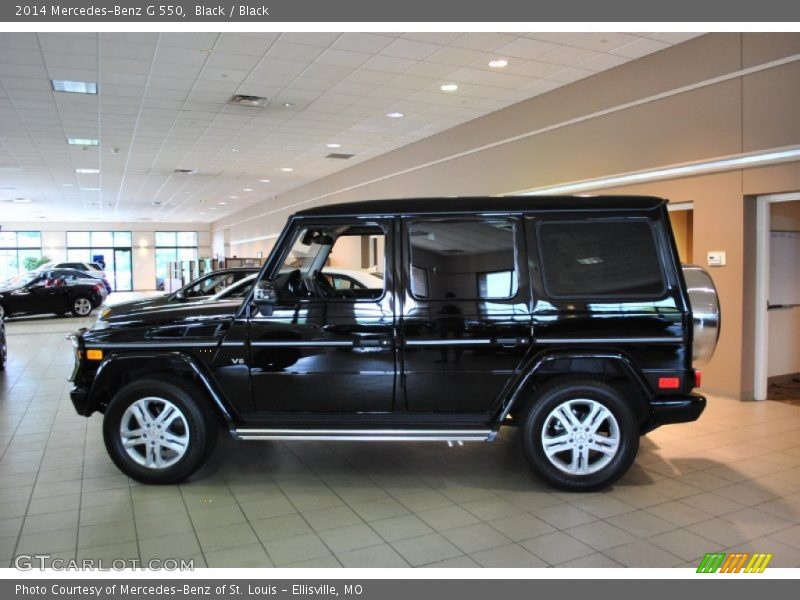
(675, 409)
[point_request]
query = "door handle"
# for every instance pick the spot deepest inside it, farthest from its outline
(512, 342)
(383, 342)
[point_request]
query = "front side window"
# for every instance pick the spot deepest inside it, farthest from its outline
(334, 262)
(600, 258)
(463, 259)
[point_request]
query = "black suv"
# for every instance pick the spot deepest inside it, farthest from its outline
(570, 318)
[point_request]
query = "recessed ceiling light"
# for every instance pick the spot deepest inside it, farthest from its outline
(156, 203)
(90, 189)
(21, 200)
(234, 149)
(333, 145)
(220, 203)
(287, 169)
(74, 87)
(67, 185)
(248, 189)
(498, 63)
(288, 105)
(395, 115)
(212, 208)
(233, 197)
(185, 171)
(87, 171)
(264, 180)
(449, 87)
(82, 142)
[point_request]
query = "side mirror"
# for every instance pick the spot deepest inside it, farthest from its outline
(180, 295)
(265, 297)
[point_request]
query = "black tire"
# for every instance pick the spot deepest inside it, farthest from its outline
(3, 349)
(538, 416)
(75, 303)
(199, 418)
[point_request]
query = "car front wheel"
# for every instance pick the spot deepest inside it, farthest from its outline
(159, 432)
(580, 435)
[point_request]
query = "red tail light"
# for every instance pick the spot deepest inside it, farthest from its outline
(99, 289)
(669, 383)
(698, 378)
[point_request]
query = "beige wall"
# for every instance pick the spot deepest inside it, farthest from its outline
(686, 103)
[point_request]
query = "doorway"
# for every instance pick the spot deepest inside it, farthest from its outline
(681, 217)
(777, 301)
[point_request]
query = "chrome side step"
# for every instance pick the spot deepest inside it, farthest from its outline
(369, 435)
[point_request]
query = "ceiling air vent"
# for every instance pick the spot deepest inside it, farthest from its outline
(340, 156)
(242, 100)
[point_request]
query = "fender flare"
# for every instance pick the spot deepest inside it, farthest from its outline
(116, 360)
(540, 360)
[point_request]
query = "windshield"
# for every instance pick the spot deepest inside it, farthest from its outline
(19, 281)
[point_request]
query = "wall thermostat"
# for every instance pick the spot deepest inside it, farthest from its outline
(716, 258)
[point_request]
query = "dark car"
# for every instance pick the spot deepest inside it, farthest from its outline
(3, 346)
(57, 291)
(567, 317)
(202, 287)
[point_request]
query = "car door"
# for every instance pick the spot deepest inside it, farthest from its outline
(466, 322)
(34, 298)
(323, 350)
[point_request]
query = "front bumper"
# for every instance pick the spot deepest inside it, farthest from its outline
(675, 409)
(79, 396)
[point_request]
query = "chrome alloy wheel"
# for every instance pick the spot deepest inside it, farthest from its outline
(154, 433)
(580, 436)
(83, 307)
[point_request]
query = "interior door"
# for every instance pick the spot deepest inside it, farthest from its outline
(325, 350)
(466, 321)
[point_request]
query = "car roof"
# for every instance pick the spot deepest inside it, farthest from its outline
(485, 204)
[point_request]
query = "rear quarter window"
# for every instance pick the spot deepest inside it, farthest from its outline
(602, 259)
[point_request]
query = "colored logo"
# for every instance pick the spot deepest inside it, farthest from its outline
(737, 562)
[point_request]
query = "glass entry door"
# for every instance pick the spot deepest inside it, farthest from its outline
(123, 278)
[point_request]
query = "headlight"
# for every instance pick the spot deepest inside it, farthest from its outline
(76, 345)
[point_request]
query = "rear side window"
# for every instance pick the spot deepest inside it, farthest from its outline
(463, 259)
(606, 259)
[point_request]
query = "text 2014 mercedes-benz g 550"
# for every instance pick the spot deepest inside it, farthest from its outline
(570, 318)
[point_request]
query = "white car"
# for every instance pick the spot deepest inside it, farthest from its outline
(92, 269)
(352, 279)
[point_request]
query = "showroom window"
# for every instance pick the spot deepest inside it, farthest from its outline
(15, 248)
(110, 249)
(601, 259)
(464, 259)
(173, 246)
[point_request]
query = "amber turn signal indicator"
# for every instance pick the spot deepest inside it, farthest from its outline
(94, 355)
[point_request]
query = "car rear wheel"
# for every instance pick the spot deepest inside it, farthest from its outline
(81, 306)
(159, 432)
(580, 435)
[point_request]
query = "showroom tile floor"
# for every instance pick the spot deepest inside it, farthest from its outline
(728, 482)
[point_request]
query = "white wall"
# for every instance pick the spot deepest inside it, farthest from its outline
(54, 241)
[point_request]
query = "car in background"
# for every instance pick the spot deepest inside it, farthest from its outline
(73, 275)
(57, 291)
(88, 268)
(357, 282)
(201, 288)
